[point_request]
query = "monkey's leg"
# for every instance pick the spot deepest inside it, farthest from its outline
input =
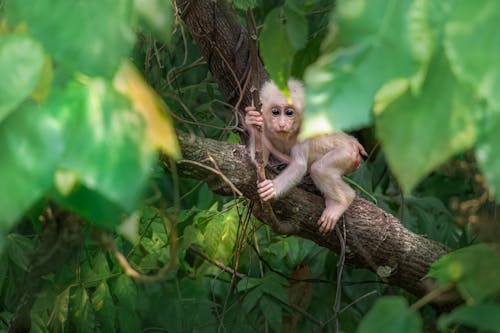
(327, 176)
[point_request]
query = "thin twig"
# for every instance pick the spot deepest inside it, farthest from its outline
(217, 172)
(340, 268)
(217, 263)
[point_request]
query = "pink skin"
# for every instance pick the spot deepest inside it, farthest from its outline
(266, 189)
(253, 117)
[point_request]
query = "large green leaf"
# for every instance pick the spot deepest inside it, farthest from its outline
(419, 132)
(276, 48)
(475, 270)
(473, 46)
(157, 15)
(31, 144)
(488, 151)
(375, 49)
(105, 145)
(91, 36)
(391, 315)
(21, 61)
(483, 317)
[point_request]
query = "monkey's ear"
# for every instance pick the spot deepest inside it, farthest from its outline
(269, 93)
(297, 95)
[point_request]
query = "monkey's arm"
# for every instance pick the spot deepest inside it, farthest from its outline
(290, 177)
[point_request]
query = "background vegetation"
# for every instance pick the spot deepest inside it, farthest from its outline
(96, 234)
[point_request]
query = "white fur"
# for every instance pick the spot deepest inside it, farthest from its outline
(270, 91)
(297, 95)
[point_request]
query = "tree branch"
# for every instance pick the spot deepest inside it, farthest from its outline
(375, 239)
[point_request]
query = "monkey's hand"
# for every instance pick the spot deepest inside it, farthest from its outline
(266, 190)
(253, 117)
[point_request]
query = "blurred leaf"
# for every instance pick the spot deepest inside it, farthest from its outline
(341, 85)
(487, 151)
(43, 87)
(473, 48)
(158, 15)
(19, 248)
(159, 128)
(296, 27)
(90, 36)
(244, 4)
(59, 313)
(82, 313)
(105, 143)
(437, 124)
(475, 270)
(30, 146)
(391, 314)
(129, 321)
(104, 309)
(21, 60)
(125, 291)
(276, 49)
(483, 317)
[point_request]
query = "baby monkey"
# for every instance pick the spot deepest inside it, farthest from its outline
(327, 157)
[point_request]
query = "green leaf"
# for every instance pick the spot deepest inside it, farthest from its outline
(19, 248)
(89, 36)
(475, 270)
(125, 290)
(245, 4)
(158, 16)
(296, 27)
(391, 314)
(128, 321)
(104, 309)
(433, 125)
(251, 299)
(341, 85)
(474, 48)
(82, 313)
(483, 317)
(272, 312)
(30, 146)
(105, 146)
(59, 313)
(273, 284)
(220, 235)
(21, 61)
(487, 150)
(276, 48)
(248, 283)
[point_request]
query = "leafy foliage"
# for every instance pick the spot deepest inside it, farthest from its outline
(91, 91)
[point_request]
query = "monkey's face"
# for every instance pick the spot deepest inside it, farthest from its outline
(282, 119)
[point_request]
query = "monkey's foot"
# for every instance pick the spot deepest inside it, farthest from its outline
(329, 217)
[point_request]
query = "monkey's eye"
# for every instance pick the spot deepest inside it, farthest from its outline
(275, 111)
(289, 112)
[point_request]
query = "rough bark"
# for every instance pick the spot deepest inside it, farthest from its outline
(375, 239)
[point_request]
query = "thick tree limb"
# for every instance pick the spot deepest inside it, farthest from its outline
(375, 239)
